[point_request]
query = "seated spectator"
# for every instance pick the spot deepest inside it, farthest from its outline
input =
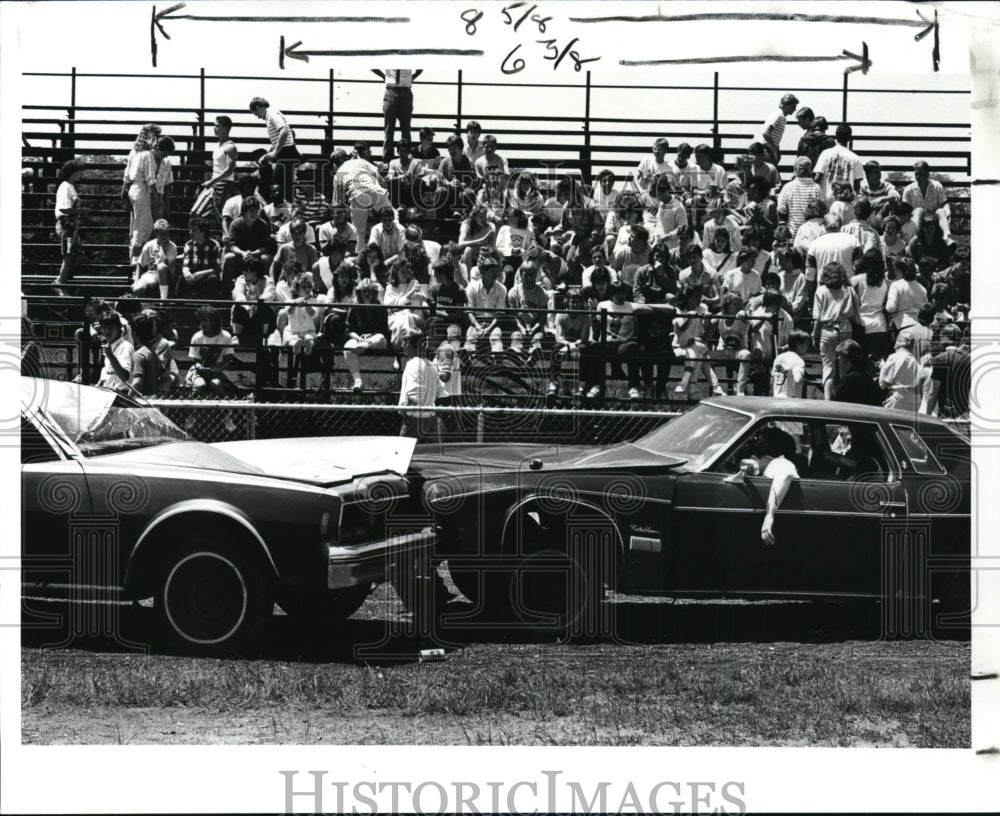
(307, 200)
(303, 316)
(733, 345)
(951, 377)
(201, 267)
(284, 289)
(345, 282)
(720, 255)
(404, 173)
(927, 195)
(476, 233)
(486, 298)
(760, 213)
(835, 309)
(530, 304)
(930, 241)
(665, 213)
(682, 171)
(277, 211)
(815, 139)
(618, 224)
(554, 207)
(839, 165)
(492, 173)
(604, 196)
(341, 229)
(773, 282)
(148, 377)
(372, 264)
(860, 227)
(116, 354)
(870, 285)
(613, 337)
(752, 241)
(250, 318)
(325, 269)
(906, 295)
(742, 279)
(812, 228)
(700, 274)
(759, 167)
(415, 254)
(852, 383)
(654, 165)
(686, 238)
(514, 239)
(474, 147)
(211, 353)
(249, 240)
(898, 376)
(284, 233)
(656, 282)
(907, 226)
(572, 335)
(875, 189)
(156, 267)
(404, 298)
(707, 183)
(429, 155)
(233, 208)
(599, 261)
(797, 194)
(366, 328)
(788, 373)
(628, 259)
(523, 194)
(298, 249)
(389, 235)
(459, 175)
(689, 328)
(445, 298)
(891, 243)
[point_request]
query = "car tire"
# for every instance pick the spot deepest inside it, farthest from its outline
(324, 606)
(212, 597)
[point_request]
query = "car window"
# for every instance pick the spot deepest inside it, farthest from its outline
(921, 459)
(34, 446)
(697, 435)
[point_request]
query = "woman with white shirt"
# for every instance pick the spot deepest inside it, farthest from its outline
(873, 292)
(152, 174)
(906, 294)
(899, 375)
(834, 310)
(403, 295)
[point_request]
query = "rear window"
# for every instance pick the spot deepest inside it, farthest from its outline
(920, 457)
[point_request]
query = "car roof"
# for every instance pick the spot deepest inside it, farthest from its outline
(824, 409)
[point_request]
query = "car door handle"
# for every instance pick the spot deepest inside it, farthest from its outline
(892, 507)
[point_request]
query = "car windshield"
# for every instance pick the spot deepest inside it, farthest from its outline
(100, 421)
(696, 435)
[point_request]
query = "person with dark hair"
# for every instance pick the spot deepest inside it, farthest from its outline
(742, 279)
(759, 167)
(852, 383)
(788, 372)
(147, 369)
(951, 378)
(249, 239)
(201, 264)
(372, 265)
(688, 343)
(760, 212)
(835, 308)
(774, 128)
(419, 390)
(628, 259)
(872, 290)
(459, 175)
(773, 462)
(214, 192)
(211, 353)
(839, 164)
(860, 227)
(156, 266)
(429, 155)
(618, 343)
(920, 329)
(145, 140)
(367, 328)
(656, 282)
(68, 210)
(146, 192)
(797, 194)
(492, 173)
(357, 184)
(681, 170)
(686, 238)
(815, 139)
(250, 320)
(572, 335)
(708, 180)
(906, 294)
(297, 249)
(389, 234)
(338, 228)
(475, 234)
(116, 352)
(891, 243)
(875, 188)
(474, 148)
(246, 187)
(397, 104)
(485, 297)
(279, 162)
(404, 171)
(619, 222)
(733, 345)
(930, 241)
(604, 197)
(699, 273)
(812, 228)
(926, 195)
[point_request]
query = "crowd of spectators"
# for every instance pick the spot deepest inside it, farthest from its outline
(681, 262)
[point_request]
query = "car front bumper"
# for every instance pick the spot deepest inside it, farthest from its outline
(361, 563)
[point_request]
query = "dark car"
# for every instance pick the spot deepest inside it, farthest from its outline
(119, 503)
(880, 510)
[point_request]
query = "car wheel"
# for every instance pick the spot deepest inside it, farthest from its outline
(212, 597)
(324, 606)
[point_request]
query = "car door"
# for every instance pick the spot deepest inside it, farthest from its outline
(54, 499)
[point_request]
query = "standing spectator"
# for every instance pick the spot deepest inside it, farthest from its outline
(852, 382)
(492, 173)
(278, 162)
(116, 352)
(951, 378)
(734, 340)
(367, 329)
(156, 267)
(788, 373)
(419, 390)
(774, 127)
(619, 343)
(146, 140)
(68, 209)
(812, 228)
(834, 310)
(833, 246)
(906, 295)
(147, 370)
(298, 249)
(356, 184)
(843, 202)
(249, 239)
(761, 212)
(815, 139)
(148, 186)
(920, 329)
(473, 148)
(397, 104)
(860, 227)
(214, 192)
(839, 164)
(604, 196)
(870, 285)
(899, 374)
(759, 167)
(797, 194)
(201, 265)
(485, 296)
(770, 327)
(653, 165)
(448, 364)
(925, 194)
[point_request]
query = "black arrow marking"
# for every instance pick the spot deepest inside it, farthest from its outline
(293, 53)
(168, 14)
(928, 25)
(863, 66)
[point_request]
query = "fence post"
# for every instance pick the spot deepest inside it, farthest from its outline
(458, 120)
(69, 142)
(251, 423)
(586, 168)
(716, 139)
(480, 424)
(201, 111)
(843, 111)
(604, 354)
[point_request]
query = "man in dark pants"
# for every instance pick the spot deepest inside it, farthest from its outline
(280, 161)
(397, 104)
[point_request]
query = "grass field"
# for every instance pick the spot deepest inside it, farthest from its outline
(687, 674)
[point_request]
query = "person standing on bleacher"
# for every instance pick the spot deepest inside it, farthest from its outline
(214, 192)
(397, 104)
(279, 162)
